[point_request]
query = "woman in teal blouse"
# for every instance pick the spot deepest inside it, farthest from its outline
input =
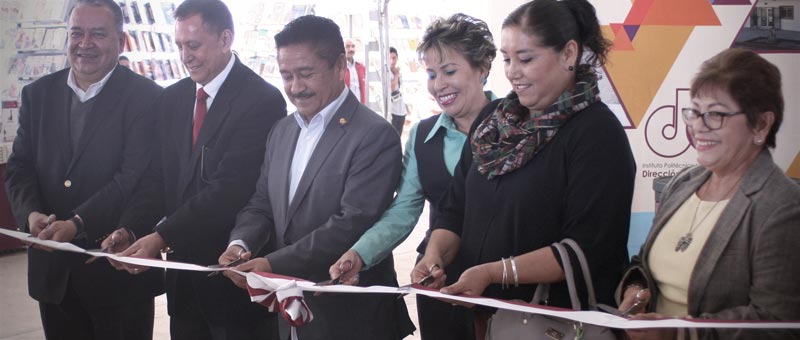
(458, 53)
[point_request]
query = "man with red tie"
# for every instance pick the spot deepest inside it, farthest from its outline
(212, 131)
(355, 75)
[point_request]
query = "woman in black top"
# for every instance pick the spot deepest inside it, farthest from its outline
(551, 162)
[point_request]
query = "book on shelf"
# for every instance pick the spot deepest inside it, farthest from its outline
(160, 45)
(126, 15)
(8, 121)
(148, 12)
(158, 69)
(55, 38)
(168, 10)
(43, 11)
(404, 21)
(137, 17)
(32, 67)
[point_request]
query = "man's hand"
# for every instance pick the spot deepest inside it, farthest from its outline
(118, 241)
(260, 264)
(233, 253)
(59, 231)
(38, 221)
(346, 269)
(146, 247)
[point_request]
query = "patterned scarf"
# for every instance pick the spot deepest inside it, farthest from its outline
(510, 137)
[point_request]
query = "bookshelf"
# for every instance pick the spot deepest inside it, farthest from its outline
(150, 42)
(33, 42)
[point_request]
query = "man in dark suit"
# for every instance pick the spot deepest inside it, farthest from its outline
(329, 171)
(82, 145)
(212, 130)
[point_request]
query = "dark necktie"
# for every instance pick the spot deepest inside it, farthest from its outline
(199, 114)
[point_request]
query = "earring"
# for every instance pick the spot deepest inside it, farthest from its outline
(483, 80)
(571, 68)
(758, 141)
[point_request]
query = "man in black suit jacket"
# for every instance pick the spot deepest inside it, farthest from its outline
(209, 160)
(82, 145)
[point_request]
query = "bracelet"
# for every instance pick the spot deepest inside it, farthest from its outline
(503, 284)
(514, 270)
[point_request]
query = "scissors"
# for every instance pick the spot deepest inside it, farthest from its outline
(237, 261)
(107, 249)
(422, 282)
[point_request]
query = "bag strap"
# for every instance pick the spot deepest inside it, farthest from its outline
(543, 290)
(587, 275)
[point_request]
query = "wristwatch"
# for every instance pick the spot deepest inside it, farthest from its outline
(78, 221)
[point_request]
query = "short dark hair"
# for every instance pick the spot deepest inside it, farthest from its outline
(393, 50)
(556, 22)
(752, 81)
(469, 36)
(322, 33)
(110, 4)
(216, 16)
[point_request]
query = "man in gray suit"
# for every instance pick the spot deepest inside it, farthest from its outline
(329, 171)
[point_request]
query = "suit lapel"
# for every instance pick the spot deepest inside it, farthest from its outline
(106, 105)
(58, 119)
(220, 107)
(283, 161)
(326, 147)
(182, 134)
(215, 117)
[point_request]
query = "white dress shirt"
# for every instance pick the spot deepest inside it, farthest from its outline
(93, 89)
(310, 134)
(212, 87)
(355, 86)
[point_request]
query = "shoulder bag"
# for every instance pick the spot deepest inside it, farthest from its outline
(513, 325)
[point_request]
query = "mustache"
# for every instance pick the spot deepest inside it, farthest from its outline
(302, 95)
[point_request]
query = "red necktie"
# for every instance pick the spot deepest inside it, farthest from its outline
(199, 114)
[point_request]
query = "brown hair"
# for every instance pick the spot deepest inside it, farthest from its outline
(469, 36)
(752, 81)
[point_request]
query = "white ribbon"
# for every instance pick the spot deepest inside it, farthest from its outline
(285, 287)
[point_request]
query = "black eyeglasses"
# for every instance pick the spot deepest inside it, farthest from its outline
(711, 119)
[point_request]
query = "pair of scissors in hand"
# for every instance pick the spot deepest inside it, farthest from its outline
(237, 261)
(107, 249)
(424, 281)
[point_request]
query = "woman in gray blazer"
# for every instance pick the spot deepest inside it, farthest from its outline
(724, 241)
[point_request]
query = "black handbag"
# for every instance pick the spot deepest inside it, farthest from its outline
(513, 325)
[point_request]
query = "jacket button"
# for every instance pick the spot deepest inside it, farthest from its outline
(67, 184)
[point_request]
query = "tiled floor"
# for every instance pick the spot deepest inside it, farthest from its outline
(19, 314)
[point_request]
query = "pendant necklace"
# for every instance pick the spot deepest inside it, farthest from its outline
(686, 240)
